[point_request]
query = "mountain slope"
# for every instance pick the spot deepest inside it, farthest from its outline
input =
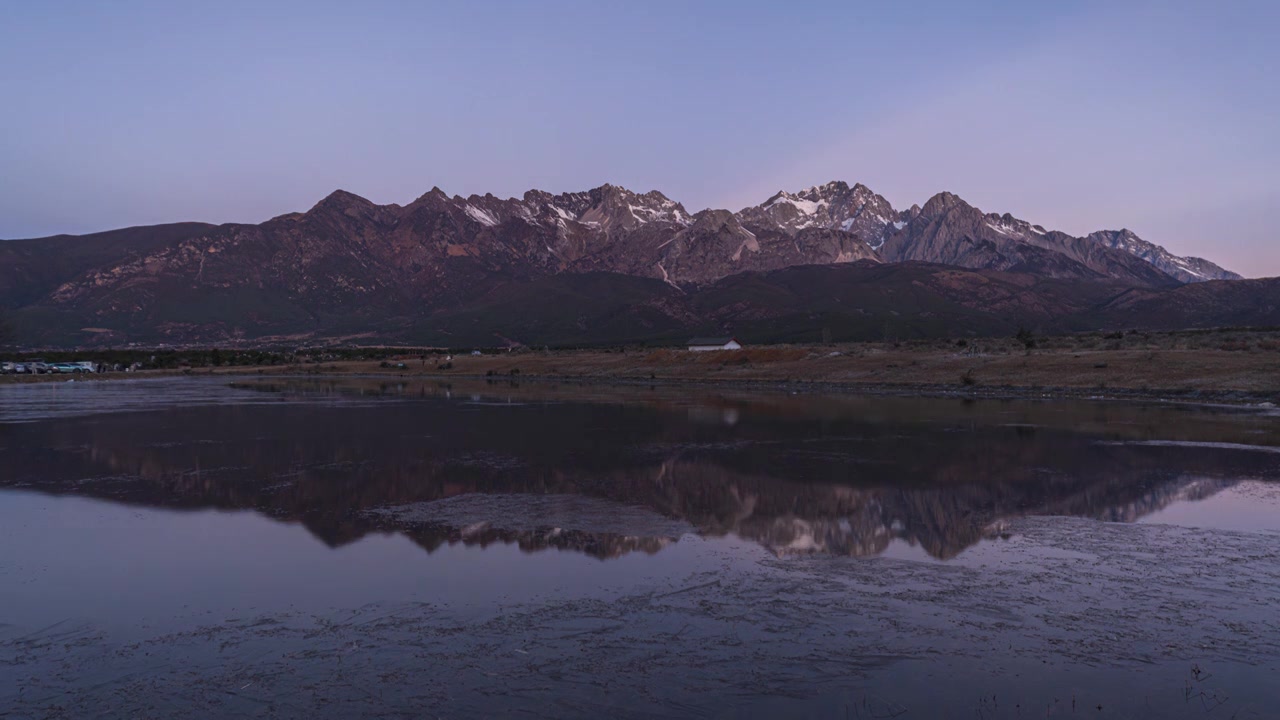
(848, 302)
(30, 269)
(1185, 269)
(1218, 303)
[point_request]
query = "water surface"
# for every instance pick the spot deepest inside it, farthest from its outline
(188, 547)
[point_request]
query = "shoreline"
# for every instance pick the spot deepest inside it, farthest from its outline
(1232, 398)
(1240, 399)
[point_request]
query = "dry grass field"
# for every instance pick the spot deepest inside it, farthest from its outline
(1210, 364)
(1241, 365)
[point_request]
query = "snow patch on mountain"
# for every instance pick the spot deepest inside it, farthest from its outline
(808, 207)
(666, 211)
(484, 217)
(999, 229)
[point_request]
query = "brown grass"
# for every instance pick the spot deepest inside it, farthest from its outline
(1155, 362)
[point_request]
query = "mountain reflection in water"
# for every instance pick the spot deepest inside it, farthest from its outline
(613, 473)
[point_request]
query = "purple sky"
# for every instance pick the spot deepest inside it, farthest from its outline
(1157, 116)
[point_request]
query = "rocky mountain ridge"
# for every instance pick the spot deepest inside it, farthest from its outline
(348, 265)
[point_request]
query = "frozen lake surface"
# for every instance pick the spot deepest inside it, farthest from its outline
(375, 548)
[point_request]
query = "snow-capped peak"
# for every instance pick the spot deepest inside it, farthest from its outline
(832, 206)
(617, 208)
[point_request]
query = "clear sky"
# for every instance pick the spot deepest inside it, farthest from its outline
(1163, 117)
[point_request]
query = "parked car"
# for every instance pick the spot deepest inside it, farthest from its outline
(41, 367)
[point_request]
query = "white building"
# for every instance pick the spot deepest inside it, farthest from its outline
(714, 343)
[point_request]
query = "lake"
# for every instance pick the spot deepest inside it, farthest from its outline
(376, 547)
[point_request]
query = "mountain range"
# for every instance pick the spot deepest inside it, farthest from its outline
(604, 265)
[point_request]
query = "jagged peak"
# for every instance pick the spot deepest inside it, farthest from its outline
(342, 199)
(658, 196)
(834, 205)
(775, 198)
(343, 203)
(833, 187)
(943, 202)
(714, 218)
(613, 206)
(612, 192)
(1122, 233)
(434, 195)
(829, 194)
(804, 202)
(609, 191)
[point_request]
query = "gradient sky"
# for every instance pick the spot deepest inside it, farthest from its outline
(1163, 117)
